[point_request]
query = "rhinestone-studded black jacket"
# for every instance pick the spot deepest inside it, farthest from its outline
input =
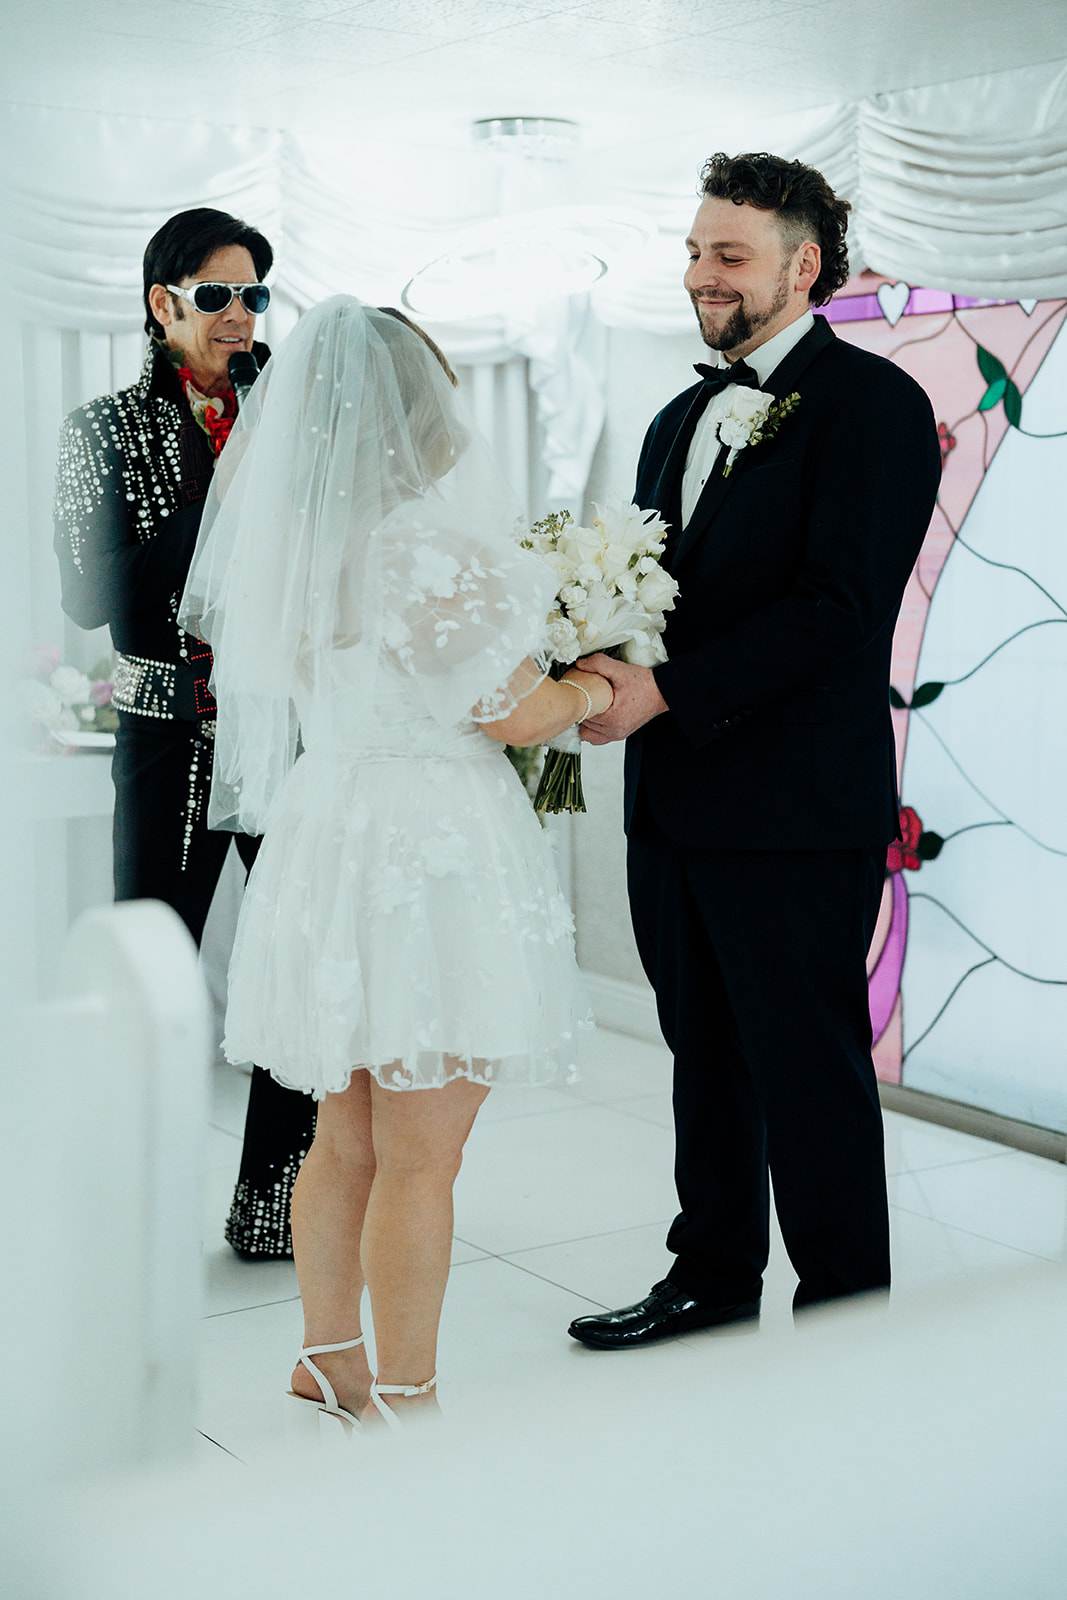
(134, 469)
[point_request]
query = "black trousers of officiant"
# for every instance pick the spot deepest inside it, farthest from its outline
(164, 850)
(758, 959)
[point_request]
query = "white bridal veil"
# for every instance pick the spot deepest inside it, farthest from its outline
(355, 533)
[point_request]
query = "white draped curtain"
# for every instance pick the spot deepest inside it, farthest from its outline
(956, 186)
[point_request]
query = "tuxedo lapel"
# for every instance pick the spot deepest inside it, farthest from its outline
(783, 379)
(668, 489)
(781, 382)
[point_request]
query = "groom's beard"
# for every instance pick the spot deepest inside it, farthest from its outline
(742, 325)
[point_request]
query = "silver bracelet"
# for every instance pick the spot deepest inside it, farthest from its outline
(588, 712)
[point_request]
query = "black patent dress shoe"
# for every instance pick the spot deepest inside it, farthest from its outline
(665, 1311)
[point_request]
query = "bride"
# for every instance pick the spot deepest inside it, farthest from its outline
(403, 943)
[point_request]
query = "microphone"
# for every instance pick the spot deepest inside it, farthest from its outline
(244, 370)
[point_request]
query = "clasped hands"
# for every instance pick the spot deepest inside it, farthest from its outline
(636, 699)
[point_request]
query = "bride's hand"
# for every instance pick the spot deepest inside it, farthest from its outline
(597, 688)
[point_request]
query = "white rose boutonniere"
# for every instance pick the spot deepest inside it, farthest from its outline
(746, 417)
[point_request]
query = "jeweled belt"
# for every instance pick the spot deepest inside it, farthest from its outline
(143, 686)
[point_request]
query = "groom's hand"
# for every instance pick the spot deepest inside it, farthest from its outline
(637, 700)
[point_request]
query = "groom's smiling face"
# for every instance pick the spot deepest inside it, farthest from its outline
(744, 281)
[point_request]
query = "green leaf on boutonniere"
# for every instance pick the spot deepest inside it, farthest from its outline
(776, 415)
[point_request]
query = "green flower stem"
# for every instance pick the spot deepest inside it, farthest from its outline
(560, 788)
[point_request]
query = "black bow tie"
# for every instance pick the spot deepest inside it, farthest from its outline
(717, 378)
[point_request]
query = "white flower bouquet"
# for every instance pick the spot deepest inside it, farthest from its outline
(613, 594)
(63, 700)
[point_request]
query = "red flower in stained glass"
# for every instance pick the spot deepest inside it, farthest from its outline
(904, 852)
(946, 440)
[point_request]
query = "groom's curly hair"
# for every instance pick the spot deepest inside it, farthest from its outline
(803, 202)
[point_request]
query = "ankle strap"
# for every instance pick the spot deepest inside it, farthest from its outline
(405, 1388)
(328, 1349)
(329, 1396)
(378, 1389)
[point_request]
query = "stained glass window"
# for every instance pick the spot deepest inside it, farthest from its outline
(968, 971)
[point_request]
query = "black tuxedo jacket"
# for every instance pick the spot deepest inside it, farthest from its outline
(791, 574)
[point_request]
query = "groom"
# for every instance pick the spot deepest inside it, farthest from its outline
(760, 781)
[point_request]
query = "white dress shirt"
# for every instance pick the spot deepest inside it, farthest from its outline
(705, 445)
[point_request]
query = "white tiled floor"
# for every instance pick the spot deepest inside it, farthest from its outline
(562, 1206)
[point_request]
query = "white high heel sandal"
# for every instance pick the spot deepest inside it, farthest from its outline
(327, 1406)
(378, 1389)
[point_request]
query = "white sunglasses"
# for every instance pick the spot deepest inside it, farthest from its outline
(211, 298)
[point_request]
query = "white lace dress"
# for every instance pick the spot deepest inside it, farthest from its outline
(404, 914)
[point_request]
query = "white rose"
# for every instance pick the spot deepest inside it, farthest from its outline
(734, 434)
(750, 405)
(572, 594)
(581, 546)
(657, 590)
(644, 650)
(563, 638)
(558, 562)
(70, 685)
(614, 560)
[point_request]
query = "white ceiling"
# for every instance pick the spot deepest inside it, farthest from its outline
(630, 71)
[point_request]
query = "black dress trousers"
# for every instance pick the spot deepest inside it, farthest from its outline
(758, 959)
(164, 850)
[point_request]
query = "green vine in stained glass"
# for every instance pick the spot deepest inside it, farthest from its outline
(999, 387)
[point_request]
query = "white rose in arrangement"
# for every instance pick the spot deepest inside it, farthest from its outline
(657, 590)
(41, 703)
(611, 596)
(563, 637)
(614, 561)
(70, 685)
(581, 546)
(644, 650)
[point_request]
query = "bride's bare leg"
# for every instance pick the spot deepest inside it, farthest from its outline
(329, 1202)
(419, 1136)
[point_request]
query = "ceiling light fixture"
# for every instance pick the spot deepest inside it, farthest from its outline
(532, 251)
